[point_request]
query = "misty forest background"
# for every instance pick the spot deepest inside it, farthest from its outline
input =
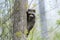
(13, 21)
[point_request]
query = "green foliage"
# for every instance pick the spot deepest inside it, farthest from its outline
(1, 11)
(34, 35)
(57, 36)
(6, 25)
(18, 34)
(51, 29)
(58, 22)
(26, 31)
(59, 12)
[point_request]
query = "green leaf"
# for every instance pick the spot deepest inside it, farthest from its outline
(1, 11)
(58, 22)
(59, 12)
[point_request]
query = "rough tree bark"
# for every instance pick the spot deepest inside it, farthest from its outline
(20, 20)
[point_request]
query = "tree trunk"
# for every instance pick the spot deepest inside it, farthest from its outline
(44, 32)
(20, 20)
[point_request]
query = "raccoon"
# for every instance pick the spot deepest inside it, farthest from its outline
(30, 19)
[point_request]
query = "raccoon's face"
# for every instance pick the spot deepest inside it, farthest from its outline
(30, 17)
(30, 14)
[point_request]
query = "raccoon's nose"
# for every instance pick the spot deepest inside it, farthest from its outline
(31, 15)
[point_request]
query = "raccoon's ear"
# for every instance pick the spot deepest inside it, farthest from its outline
(31, 10)
(34, 11)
